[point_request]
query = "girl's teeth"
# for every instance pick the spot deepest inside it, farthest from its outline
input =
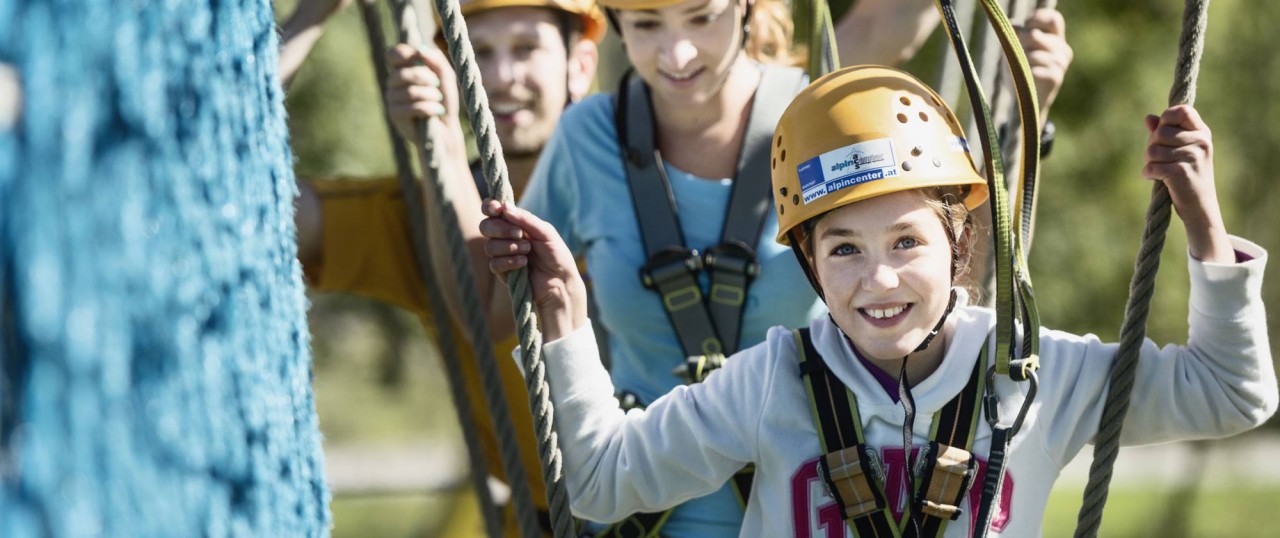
(882, 314)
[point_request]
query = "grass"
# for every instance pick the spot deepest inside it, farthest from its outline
(1133, 512)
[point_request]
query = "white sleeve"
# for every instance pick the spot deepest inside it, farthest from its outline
(685, 445)
(1222, 382)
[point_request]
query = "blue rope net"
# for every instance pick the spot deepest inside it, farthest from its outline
(154, 355)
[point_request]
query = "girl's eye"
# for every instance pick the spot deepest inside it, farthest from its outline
(526, 49)
(703, 20)
(844, 249)
(908, 242)
(645, 25)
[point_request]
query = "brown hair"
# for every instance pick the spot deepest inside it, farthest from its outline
(771, 34)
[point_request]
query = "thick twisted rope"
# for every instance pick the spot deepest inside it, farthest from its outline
(476, 322)
(444, 335)
(495, 173)
(1141, 288)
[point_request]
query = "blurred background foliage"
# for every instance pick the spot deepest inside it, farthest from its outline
(377, 380)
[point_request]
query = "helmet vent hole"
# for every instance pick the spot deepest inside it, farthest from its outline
(779, 143)
(795, 199)
(782, 208)
(783, 157)
(782, 191)
(906, 166)
(775, 163)
(904, 100)
(917, 151)
(937, 163)
(902, 118)
(924, 117)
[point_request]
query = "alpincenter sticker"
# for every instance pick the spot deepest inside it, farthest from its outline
(845, 167)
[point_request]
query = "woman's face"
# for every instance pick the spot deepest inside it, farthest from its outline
(884, 265)
(684, 51)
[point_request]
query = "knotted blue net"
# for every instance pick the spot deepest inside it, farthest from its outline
(154, 357)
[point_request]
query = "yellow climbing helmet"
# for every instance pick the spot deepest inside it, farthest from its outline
(592, 19)
(637, 4)
(861, 132)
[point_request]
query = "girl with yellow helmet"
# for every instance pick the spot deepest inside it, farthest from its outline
(662, 188)
(872, 183)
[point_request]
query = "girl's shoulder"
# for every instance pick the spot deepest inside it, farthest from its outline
(590, 118)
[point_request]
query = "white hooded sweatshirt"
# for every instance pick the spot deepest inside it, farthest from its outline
(755, 410)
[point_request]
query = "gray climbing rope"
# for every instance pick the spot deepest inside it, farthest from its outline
(495, 173)
(429, 159)
(444, 335)
(1141, 288)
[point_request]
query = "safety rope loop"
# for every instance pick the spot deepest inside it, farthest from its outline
(1029, 112)
(1141, 289)
(1005, 307)
(444, 336)
(495, 172)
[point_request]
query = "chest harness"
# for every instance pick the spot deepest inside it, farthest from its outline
(707, 325)
(944, 472)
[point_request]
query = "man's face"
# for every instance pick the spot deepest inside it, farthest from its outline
(525, 69)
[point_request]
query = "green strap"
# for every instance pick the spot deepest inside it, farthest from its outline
(1014, 297)
(824, 56)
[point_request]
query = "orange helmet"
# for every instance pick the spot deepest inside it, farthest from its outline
(861, 132)
(637, 4)
(592, 20)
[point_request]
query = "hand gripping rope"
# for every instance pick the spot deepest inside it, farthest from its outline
(495, 173)
(1141, 288)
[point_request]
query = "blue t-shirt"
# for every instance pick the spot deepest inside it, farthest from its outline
(580, 187)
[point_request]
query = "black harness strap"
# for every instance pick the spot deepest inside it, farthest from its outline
(704, 325)
(861, 494)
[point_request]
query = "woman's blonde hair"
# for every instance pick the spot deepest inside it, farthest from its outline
(771, 36)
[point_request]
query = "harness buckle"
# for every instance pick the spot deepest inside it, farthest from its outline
(948, 475)
(672, 272)
(696, 368)
(737, 260)
(847, 480)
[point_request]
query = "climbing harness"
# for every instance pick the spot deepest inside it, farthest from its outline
(1142, 286)
(707, 327)
(945, 468)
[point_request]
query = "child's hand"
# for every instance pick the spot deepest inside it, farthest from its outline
(1044, 38)
(515, 238)
(1180, 153)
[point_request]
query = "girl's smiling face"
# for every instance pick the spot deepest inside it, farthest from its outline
(685, 51)
(884, 265)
